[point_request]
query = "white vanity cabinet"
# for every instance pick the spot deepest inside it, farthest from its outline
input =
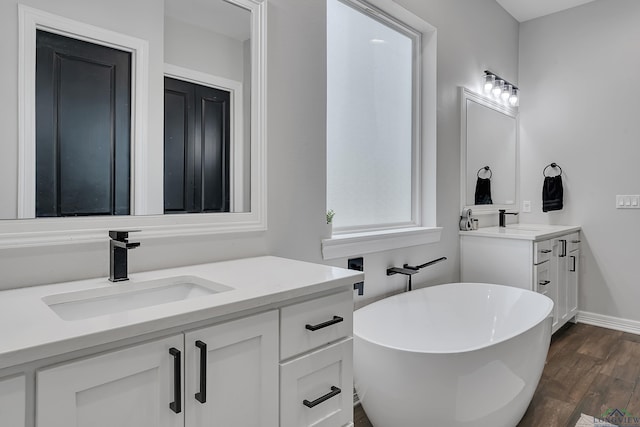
(225, 375)
(545, 259)
(13, 396)
(316, 373)
(250, 356)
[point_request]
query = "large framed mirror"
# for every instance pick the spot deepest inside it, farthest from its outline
(489, 167)
(205, 59)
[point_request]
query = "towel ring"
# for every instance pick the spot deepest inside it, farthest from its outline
(486, 169)
(551, 165)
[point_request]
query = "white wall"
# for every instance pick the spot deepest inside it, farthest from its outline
(472, 36)
(187, 45)
(579, 73)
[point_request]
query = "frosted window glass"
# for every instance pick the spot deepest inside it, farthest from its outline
(369, 120)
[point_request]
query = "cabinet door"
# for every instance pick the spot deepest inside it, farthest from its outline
(232, 373)
(133, 387)
(12, 401)
(553, 286)
(572, 282)
(317, 389)
(561, 278)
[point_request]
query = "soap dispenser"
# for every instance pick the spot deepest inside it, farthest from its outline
(466, 222)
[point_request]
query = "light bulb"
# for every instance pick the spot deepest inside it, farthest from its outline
(514, 98)
(506, 92)
(497, 88)
(489, 80)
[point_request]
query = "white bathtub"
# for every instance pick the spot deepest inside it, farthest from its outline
(461, 354)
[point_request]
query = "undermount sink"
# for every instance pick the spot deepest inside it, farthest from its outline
(119, 298)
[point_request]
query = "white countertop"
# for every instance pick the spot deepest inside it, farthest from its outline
(533, 232)
(31, 330)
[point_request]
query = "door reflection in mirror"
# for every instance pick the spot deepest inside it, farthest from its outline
(83, 119)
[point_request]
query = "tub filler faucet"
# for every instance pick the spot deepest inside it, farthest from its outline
(410, 270)
(119, 245)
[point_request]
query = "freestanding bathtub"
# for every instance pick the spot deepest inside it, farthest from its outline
(460, 354)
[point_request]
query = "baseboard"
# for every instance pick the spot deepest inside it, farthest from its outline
(609, 322)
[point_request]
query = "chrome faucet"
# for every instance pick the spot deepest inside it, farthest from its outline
(118, 247)
(502, 220)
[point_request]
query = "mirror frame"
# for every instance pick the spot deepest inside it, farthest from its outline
(468, 95)
(15, 233)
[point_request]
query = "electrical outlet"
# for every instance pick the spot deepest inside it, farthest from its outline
(526, 206)
(628, 201)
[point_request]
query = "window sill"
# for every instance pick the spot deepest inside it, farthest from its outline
(345, 245)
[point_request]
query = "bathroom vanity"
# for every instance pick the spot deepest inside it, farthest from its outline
(253, 342)
(541, 258)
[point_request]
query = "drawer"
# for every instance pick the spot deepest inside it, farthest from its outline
(573, 241)
(317, 389)
(542, 251)
(541, 277)
(314, 323)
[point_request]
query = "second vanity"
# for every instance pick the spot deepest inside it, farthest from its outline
(261, 341)
(537, 257)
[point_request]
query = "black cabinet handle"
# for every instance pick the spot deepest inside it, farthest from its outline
(334, 392)
(544, 283)
(336, 319)
(545, 251)
(176, 405)
(201, 396)
(573, 263)
(564, 248)
(575, 241)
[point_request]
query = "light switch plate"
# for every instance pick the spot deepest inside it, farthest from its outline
(628, 201)
(526, 206)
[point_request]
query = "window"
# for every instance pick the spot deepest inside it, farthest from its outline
(381, 128)
(373, 126)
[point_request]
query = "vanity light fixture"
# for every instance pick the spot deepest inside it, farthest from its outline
(497, 88)
(500, 88)
(489, 81)
(514, 98)
(506, 92)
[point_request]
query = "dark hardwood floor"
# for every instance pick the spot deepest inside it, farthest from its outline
(588, 370)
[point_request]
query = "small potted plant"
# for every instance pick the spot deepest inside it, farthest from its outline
(330, 215)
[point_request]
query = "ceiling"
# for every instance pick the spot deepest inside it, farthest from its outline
(523, 10)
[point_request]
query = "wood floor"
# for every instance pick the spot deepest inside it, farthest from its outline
(588, 370)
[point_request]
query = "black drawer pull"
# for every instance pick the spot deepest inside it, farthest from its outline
(334, 392)
(336, 319)
(201, 396)
(563, 242)
(176, 405)
(575, 241)
(544, 283)
(545, 251)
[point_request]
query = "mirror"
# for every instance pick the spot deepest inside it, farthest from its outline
(214, 43)
(207, 50)
(489, 154)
